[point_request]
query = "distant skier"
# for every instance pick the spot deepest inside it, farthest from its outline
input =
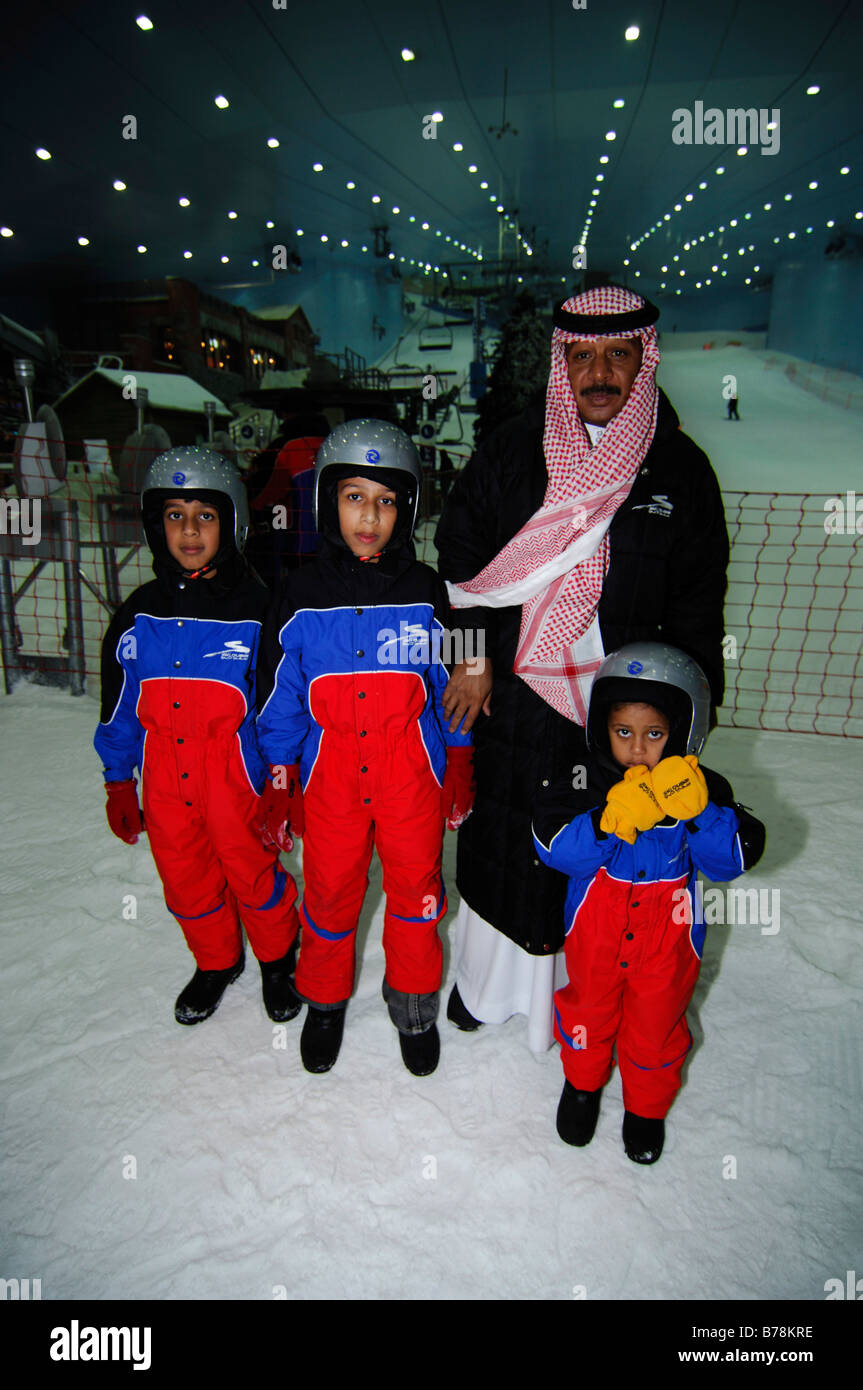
(732, 408)
(178, 681)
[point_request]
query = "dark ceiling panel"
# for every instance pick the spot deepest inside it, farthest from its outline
(327, 82)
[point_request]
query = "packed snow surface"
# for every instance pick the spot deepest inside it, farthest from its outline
(146, 1160)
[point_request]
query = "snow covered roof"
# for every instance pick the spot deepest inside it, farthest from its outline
(167, 391)
(279, 311)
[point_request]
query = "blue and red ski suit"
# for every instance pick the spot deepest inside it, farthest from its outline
(178, 689)
(349, 686)
(633, 945)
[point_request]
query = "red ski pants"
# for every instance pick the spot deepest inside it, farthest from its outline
(213, 867)
(337, 849)
(632, 971)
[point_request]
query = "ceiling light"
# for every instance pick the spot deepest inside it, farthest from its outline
(458, 147)
(812, 91)
(376, 198)
(224, 259)
(143, 22)
(436, 116)
(844, 170)
(618, 103)
(119, 185)
(408, 55)
(689, 197)
(814, 183)
(43, 153)
(221, 102)
(396, 211)
(273, 143)
(141, 250)
(300, 232)
(611, 135)
(702, 184)
(743, 150)
(344, 243)
(471, 168)
(270, 226)
(187, 255)
(233, 216)
(83, 241)
(631, 34)
(603, 159)
(318, 167)
(184, 202)
(324, 236)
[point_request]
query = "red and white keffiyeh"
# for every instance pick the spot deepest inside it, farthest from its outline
(556, 564)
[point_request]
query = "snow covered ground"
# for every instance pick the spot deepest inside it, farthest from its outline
(148, 1161)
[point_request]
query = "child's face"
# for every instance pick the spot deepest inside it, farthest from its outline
(367, 515)
(637, 734)
(191, 531)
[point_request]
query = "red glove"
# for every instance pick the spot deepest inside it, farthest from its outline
(281, 808)
(123, 811)
(459, 786)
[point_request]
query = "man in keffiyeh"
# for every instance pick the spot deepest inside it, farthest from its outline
(574, 529)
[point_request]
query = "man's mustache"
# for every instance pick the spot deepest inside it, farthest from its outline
(601, 391)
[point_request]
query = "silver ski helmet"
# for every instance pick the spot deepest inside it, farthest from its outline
(652, 673)
(202, 473)
(372, 449)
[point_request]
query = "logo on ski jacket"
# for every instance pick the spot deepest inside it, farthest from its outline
(232, 651)
(658, 505)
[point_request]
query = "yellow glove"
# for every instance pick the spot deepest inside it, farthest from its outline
(680, 787)
(631, 805)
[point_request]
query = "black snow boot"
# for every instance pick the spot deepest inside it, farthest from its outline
(421, 1051)
(204, 991)
(458, 1014)
(281, 1000)
(321, 1037)
(642, 1138)
(577, 1114)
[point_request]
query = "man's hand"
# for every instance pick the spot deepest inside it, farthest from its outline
(468, 691)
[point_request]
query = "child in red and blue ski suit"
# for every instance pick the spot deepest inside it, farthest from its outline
(630, 830)
(350, 681)
(178, 703)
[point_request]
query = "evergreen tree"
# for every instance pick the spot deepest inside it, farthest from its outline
(521, 366)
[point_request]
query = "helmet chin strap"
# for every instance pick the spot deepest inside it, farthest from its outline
(196, 574)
